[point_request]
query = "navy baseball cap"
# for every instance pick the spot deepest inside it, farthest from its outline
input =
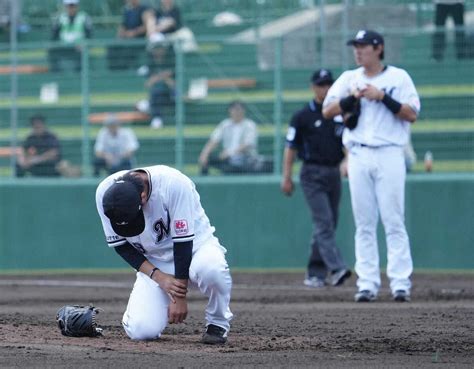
(366, 37)
(122, 204)
(322, 77)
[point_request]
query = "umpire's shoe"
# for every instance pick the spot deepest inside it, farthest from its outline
(401, 296)
(214, 335)
(337, 278)
(364, 296)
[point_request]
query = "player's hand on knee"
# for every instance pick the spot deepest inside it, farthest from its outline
(178, 310)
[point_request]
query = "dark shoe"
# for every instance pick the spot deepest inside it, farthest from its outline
(314, 282)
(338, 278)
(401, 296)
(214, 335)
(364, 296)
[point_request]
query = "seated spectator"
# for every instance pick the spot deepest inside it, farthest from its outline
(160, 82)
(132, 27)
(114, 148)
(40, 153)
(72, 27)
(165, 20)
(238, 137)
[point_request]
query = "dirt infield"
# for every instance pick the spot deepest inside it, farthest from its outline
(278, 323)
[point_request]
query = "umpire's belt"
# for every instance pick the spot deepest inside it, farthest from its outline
(321, 162)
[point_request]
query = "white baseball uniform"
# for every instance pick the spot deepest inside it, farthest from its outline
(173, 213)
(376, 171)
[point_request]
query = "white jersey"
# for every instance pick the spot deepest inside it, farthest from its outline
(173, 213)
(377, 126)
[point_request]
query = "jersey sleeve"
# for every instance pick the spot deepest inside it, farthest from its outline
(293, 135)
(339, 89)
(409, 95)
(112, 238)
(180, 205)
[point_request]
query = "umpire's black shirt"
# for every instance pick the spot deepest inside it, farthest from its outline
(317, 140)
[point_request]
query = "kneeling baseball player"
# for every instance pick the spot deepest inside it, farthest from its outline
(154, 220)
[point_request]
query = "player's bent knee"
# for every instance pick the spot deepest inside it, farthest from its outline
(143, 330)
(215, 276)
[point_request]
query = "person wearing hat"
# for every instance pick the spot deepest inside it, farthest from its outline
(317, 142)
(70, 28)
(375, 142)
(154, 220)
(114, 147)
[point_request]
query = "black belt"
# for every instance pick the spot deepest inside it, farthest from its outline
(324, 164)
(374, 147)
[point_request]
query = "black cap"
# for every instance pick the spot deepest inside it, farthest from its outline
(123, 206)
(322, 77)
(367, 37)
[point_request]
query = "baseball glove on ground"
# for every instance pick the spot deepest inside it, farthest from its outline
(78, 321)
(351, 117)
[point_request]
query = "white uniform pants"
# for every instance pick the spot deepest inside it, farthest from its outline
(147, 311)
(377, 184)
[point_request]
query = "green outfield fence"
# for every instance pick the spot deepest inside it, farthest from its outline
(53, 224)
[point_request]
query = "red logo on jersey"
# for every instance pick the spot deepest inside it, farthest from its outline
(181, 227)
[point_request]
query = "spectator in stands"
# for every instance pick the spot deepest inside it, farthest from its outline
(132, 27)
(115, 147)
(40, 153)
(444, 10)
(166, 19)
(160, 81)
(238, 136)
(71, 28)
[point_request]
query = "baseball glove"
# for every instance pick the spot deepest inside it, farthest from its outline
(351, 117)
(78, 321)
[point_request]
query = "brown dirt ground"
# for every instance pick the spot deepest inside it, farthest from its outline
(278, 323)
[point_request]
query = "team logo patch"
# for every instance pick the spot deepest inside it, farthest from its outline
(318, 123)
(181, 227)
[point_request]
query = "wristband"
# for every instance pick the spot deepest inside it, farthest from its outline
(153, 272)
(347, 103)
(393, 105)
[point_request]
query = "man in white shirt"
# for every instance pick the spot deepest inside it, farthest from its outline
(375, 137)
(154, 220)
(238, 136)
(115, 147)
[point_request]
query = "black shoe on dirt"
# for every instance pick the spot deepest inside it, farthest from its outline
(214, 335)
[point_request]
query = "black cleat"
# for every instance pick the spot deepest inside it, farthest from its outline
(401, 296)
(364, 296)
(214, 335)
(338, 278)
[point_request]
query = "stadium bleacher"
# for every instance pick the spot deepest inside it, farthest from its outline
(445, 127)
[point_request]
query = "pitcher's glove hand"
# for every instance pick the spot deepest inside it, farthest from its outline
(78, 321)
(352, 117)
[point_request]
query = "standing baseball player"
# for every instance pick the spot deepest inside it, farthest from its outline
(317, 141)
(154, 220)
(388, 102)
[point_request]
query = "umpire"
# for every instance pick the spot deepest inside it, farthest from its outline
(318, 143)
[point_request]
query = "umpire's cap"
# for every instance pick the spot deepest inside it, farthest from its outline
(366, 37)
(123, 206)
(322, 77)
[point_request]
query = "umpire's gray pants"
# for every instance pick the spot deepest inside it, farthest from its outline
(322, 189)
